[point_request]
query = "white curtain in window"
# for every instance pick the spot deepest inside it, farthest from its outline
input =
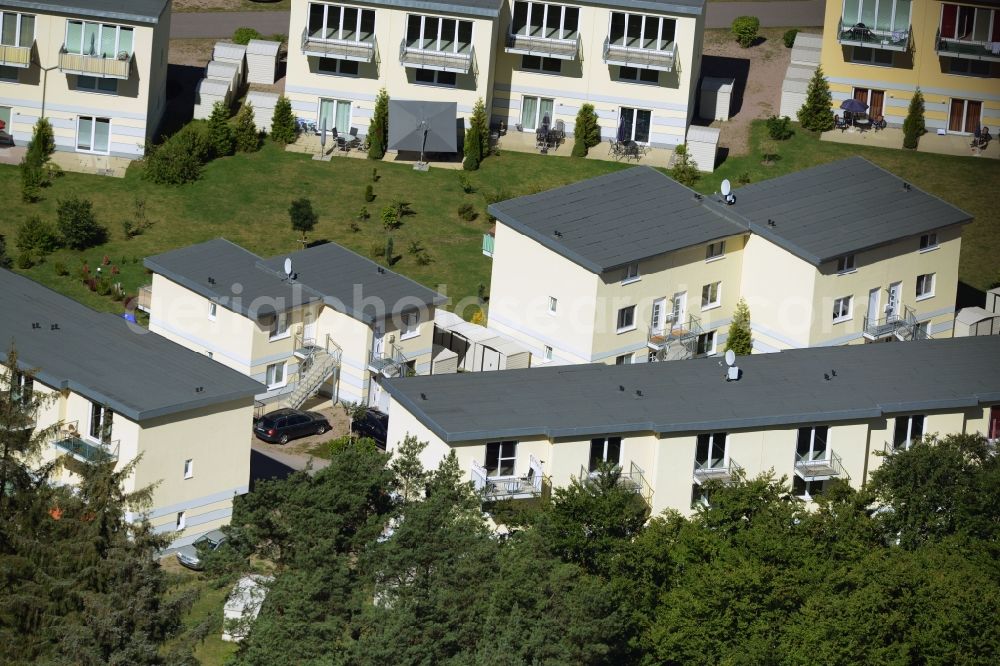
(529, 112)
(74, 35)
(85, 133)
(125, 38)
(326, 110)
(102, 134)
(343, 116)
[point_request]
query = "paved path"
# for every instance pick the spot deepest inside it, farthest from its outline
(781, 13)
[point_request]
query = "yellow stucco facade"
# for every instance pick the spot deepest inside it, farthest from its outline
(951, 51)
(101, 81)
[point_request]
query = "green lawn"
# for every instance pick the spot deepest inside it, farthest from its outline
(202, 624)
(245, 198)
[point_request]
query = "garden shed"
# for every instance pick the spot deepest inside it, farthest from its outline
(243, 605)
(804, 61)
(231, 53)
(702, 143)
(263, 104)
(716, 98)
(226, 71)
(262, 61)
(208, 93)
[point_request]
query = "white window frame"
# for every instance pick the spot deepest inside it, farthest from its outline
(635, 122)
(624, 359)
(629, 16)
(106, 414)
(715, 251)
(545, 7)
(851, 20)
(840, 313)
(636, 75)
(965, 113)
(928, 242)
(100, 31)
(994, 17)
(923, 291)
(711, 442)
(337, 69)
(553, 304)
(547, 353)
(212, 310)
(632, 273)
(19, 24)
(541, 69)
(437, 78)
(279, 328)
(83, 84)
(340, 25)
(707, 300)
(709, 349)
(619, 317)
(501, 458)
(93, 135)
(873, 57)
(189, 468)
(181, 522)
(336, 102)
(827, 452)
(279, 368)
(411, 326)
(440, 19)
(604, 451)
(908, 442)
(806, 486)
(846, 264)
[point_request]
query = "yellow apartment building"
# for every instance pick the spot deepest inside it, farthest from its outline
(96, 70)
(632, 266)
(118, 392)
(880, 51)
(333, 322)
(810, 415)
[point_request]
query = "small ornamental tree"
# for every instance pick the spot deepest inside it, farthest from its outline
(913, 125)
(244, 35)
(302, 216)
(472, 148)
(77, 224)
(220, 134)
(283, 127)
(5, 261)
(586, 131)
(740, 339)
(43, 141)
(179, 159)
(816, 114)
(480, 121)
(247, 134)
(745, 29)
(36, 236)
(42, 145)
(378, 130)
(685, 169)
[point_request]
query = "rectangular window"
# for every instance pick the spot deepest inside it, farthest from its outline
(928, 241)
(101, 422)
(96, 84)
(181, 520)
(433, 77)
(626, 318)
(500, 458)
(624, 359)
(845, 264)
(536, 112)
(93, 135)
(640, 31)
(22, 387)
(17, 29)
(541, 64)
(966, 67)
(604, 451)
(715, 250)
(882, 15)
(547, 353)
(908, 430)
(9, 74)
(711, 295)
(212, 307)
(334, 114)
(963, 23)
(335, 23)
(432, 33)
(964, 115)
(553, 304)
(411, 326)
(866, 56)
(710, 452)
(99, 40)
(188, 468)
(706, 344)
(279, 326)
(335, 66)
(807, 489)
(631, 273)
(636, 75)
(634, 124)
(547, 21)
(811, 443)
(925, 285)
(275, 375)
(842, 309)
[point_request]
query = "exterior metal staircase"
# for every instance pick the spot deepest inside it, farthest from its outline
(317, 364)
(391, 364)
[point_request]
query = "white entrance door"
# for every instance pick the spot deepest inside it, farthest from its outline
(873, 298)
(892, 306)
(378, 342)
(657, 317)
(679, 310)
(491, 359)
(377, 396)
(308, 328)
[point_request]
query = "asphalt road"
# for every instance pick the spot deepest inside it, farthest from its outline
(780, 13)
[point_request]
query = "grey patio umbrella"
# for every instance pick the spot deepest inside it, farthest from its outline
(422, 126)
(853, 105)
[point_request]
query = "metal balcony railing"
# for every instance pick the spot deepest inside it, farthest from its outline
(92, 65)
(15, 56)
(442, 61)
(663, 60)
(634, 480)
(817, 467)
(563, 49)
(389, 363)
(70, 440)
(679, 337)
(358, 50)
(903, 326)
(706, 471)
(966, 48)
(871, 37)
(495, 488)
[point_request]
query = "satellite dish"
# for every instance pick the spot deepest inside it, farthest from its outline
(730, 357)
(726, 187)
(288, 266)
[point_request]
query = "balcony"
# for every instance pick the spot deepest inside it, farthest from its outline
(389, 364)
(442, 61)
(633, 480)
(675, 340)
(966, 49)
(903, 326)
(359, 50)
(92, 65)
(69, 440)
(860, 34)
(546, 47)
(15, 56)
(723, 472)
(819, 467)
(662, 60)
(496, 488)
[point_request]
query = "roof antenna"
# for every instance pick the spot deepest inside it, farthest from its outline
(732, 372)
(727, 192)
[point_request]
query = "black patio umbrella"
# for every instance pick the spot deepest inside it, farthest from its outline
(422, 126)
(853, 106)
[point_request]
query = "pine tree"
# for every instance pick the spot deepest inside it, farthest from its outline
(220, 134)
(41, 146)
(913, 125)
(302, 216)
(586, 131)
(817, 112)
(378, 130)
(480, 121)
(283, 127)
(739, 339)
(247, 134)
(471, 147)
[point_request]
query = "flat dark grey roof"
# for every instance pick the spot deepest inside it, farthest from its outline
(781, 389)
(139, 374)
(841, 207)
(252, 287)
(617, 218)
(819, 213)
(695, 7)
(132, 11)
(486, 8)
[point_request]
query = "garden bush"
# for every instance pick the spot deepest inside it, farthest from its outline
(465, 183)
(779, 129)
(586, 131)
(378, 130)
(914, 125)
(220, 133)
(60, 268)
(284, 130)
(817, 114)
(467, 212)
(246, 133)
(685, 170)
(24, 261)
(789, 37)
(179, 159)
(369, 194)
(77, 224)
(746, 30)
(244, 35)
(36, 236)
(5, 261)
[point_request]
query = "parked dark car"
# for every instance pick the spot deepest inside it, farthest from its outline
(282, 425)
(375, 424)
(192, 554)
